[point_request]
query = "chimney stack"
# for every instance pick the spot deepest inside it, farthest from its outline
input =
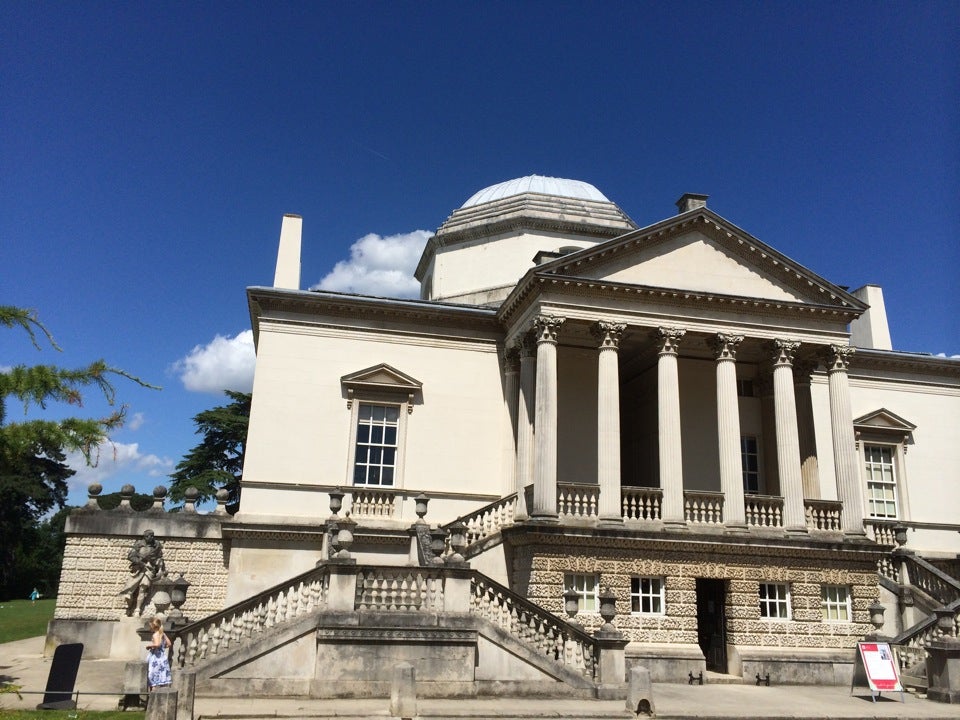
(288, 256)
(691, 201)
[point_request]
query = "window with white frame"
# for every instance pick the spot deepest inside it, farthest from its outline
(380, 399)
(750, 463)
(835, 603)
(646, 595)
(375, 455)
(585, 585)
(774, 601)
(881, 477)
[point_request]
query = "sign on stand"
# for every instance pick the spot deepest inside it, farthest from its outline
(875, 667)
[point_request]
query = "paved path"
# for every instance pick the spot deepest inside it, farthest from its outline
(23, 663)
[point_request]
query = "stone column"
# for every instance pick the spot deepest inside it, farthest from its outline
(668, 419)
(525, 411)
(608, 419)
(545, 419)
(728, 431)
(844, 443)
(809, 468)
(511, 387)
(788, 443)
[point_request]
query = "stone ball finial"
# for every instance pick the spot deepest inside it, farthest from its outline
(159, 491)
(95, 489)
(128, 490)
(190, 499)
(191, 493)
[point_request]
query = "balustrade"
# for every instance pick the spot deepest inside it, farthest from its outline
(399, 589)
(534, 627)
(641, 503)
(824, 515)
(764, 510)
(577, 500)
(703, 507)
(217, 633)
(373, 502)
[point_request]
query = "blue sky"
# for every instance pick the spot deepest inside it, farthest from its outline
(149, 150)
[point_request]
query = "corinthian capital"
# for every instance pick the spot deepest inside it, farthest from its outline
(837, 358)
(511, 359)
(784, 351)
(724, 346)
(668, 339)
(547, 327)
(608, 334)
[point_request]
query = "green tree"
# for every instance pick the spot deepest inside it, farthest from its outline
(217, 462)
(33, 469)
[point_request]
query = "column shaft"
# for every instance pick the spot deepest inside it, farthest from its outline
(844, 448)
(545, 423)
(668, 418)
(608, 420)
(525, 429)
(788, 443)
(511, 388)
(728, 431)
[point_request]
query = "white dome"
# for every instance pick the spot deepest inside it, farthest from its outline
(537, 184)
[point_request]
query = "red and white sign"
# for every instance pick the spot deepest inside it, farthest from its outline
(880, 666)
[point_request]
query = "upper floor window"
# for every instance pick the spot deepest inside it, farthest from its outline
(375, 458)
(745, 387)
(379, 399)
(882, 439)
(750, 463)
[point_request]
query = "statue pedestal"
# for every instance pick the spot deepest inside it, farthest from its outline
(126, 643)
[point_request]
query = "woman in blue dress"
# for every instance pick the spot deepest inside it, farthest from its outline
(158, 661)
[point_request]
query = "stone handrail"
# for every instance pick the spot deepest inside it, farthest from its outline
(823, 514)
(577, 500)
(912, 642)
(217, 633)
(703, 507)
(533, 626)
(929, 578)
(641, 503)
(764, 510)
(488, 520)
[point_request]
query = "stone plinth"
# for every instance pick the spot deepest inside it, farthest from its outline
(943, 670)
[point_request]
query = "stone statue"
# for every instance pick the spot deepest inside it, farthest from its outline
(146, 566)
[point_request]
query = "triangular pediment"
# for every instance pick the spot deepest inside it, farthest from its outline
(381, 377)
(701, 252)
(883, 419)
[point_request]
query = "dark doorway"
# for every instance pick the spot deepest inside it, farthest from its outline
(712, 623)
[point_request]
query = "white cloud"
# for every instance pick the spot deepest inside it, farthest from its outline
(224, 363)
(952, 357)
(113, 458)
(378, 265)
(135, 422)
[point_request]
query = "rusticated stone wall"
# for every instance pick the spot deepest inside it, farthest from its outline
(95, 570)
(539, 570)
(95, 566)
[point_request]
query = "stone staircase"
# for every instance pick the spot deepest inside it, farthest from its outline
(921, 584)
(340, 596)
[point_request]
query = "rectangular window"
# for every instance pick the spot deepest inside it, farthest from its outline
(881, 481)
(750, 463)
(375, 459)
(646, 595)
(774, 601)
(745, 387)
(835, 603)
(586, 588)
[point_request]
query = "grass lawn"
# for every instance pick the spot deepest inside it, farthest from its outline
(71, 714)
(21, 619)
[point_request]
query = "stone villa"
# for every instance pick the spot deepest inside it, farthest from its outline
(673, 428)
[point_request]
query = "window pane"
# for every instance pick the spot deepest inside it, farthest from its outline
(392, 413)
(373, 475)
(376, 435)
(388, 456)
(390, 436)
(359, 474)
(387, 476)
(379, 411)
(363, 433)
